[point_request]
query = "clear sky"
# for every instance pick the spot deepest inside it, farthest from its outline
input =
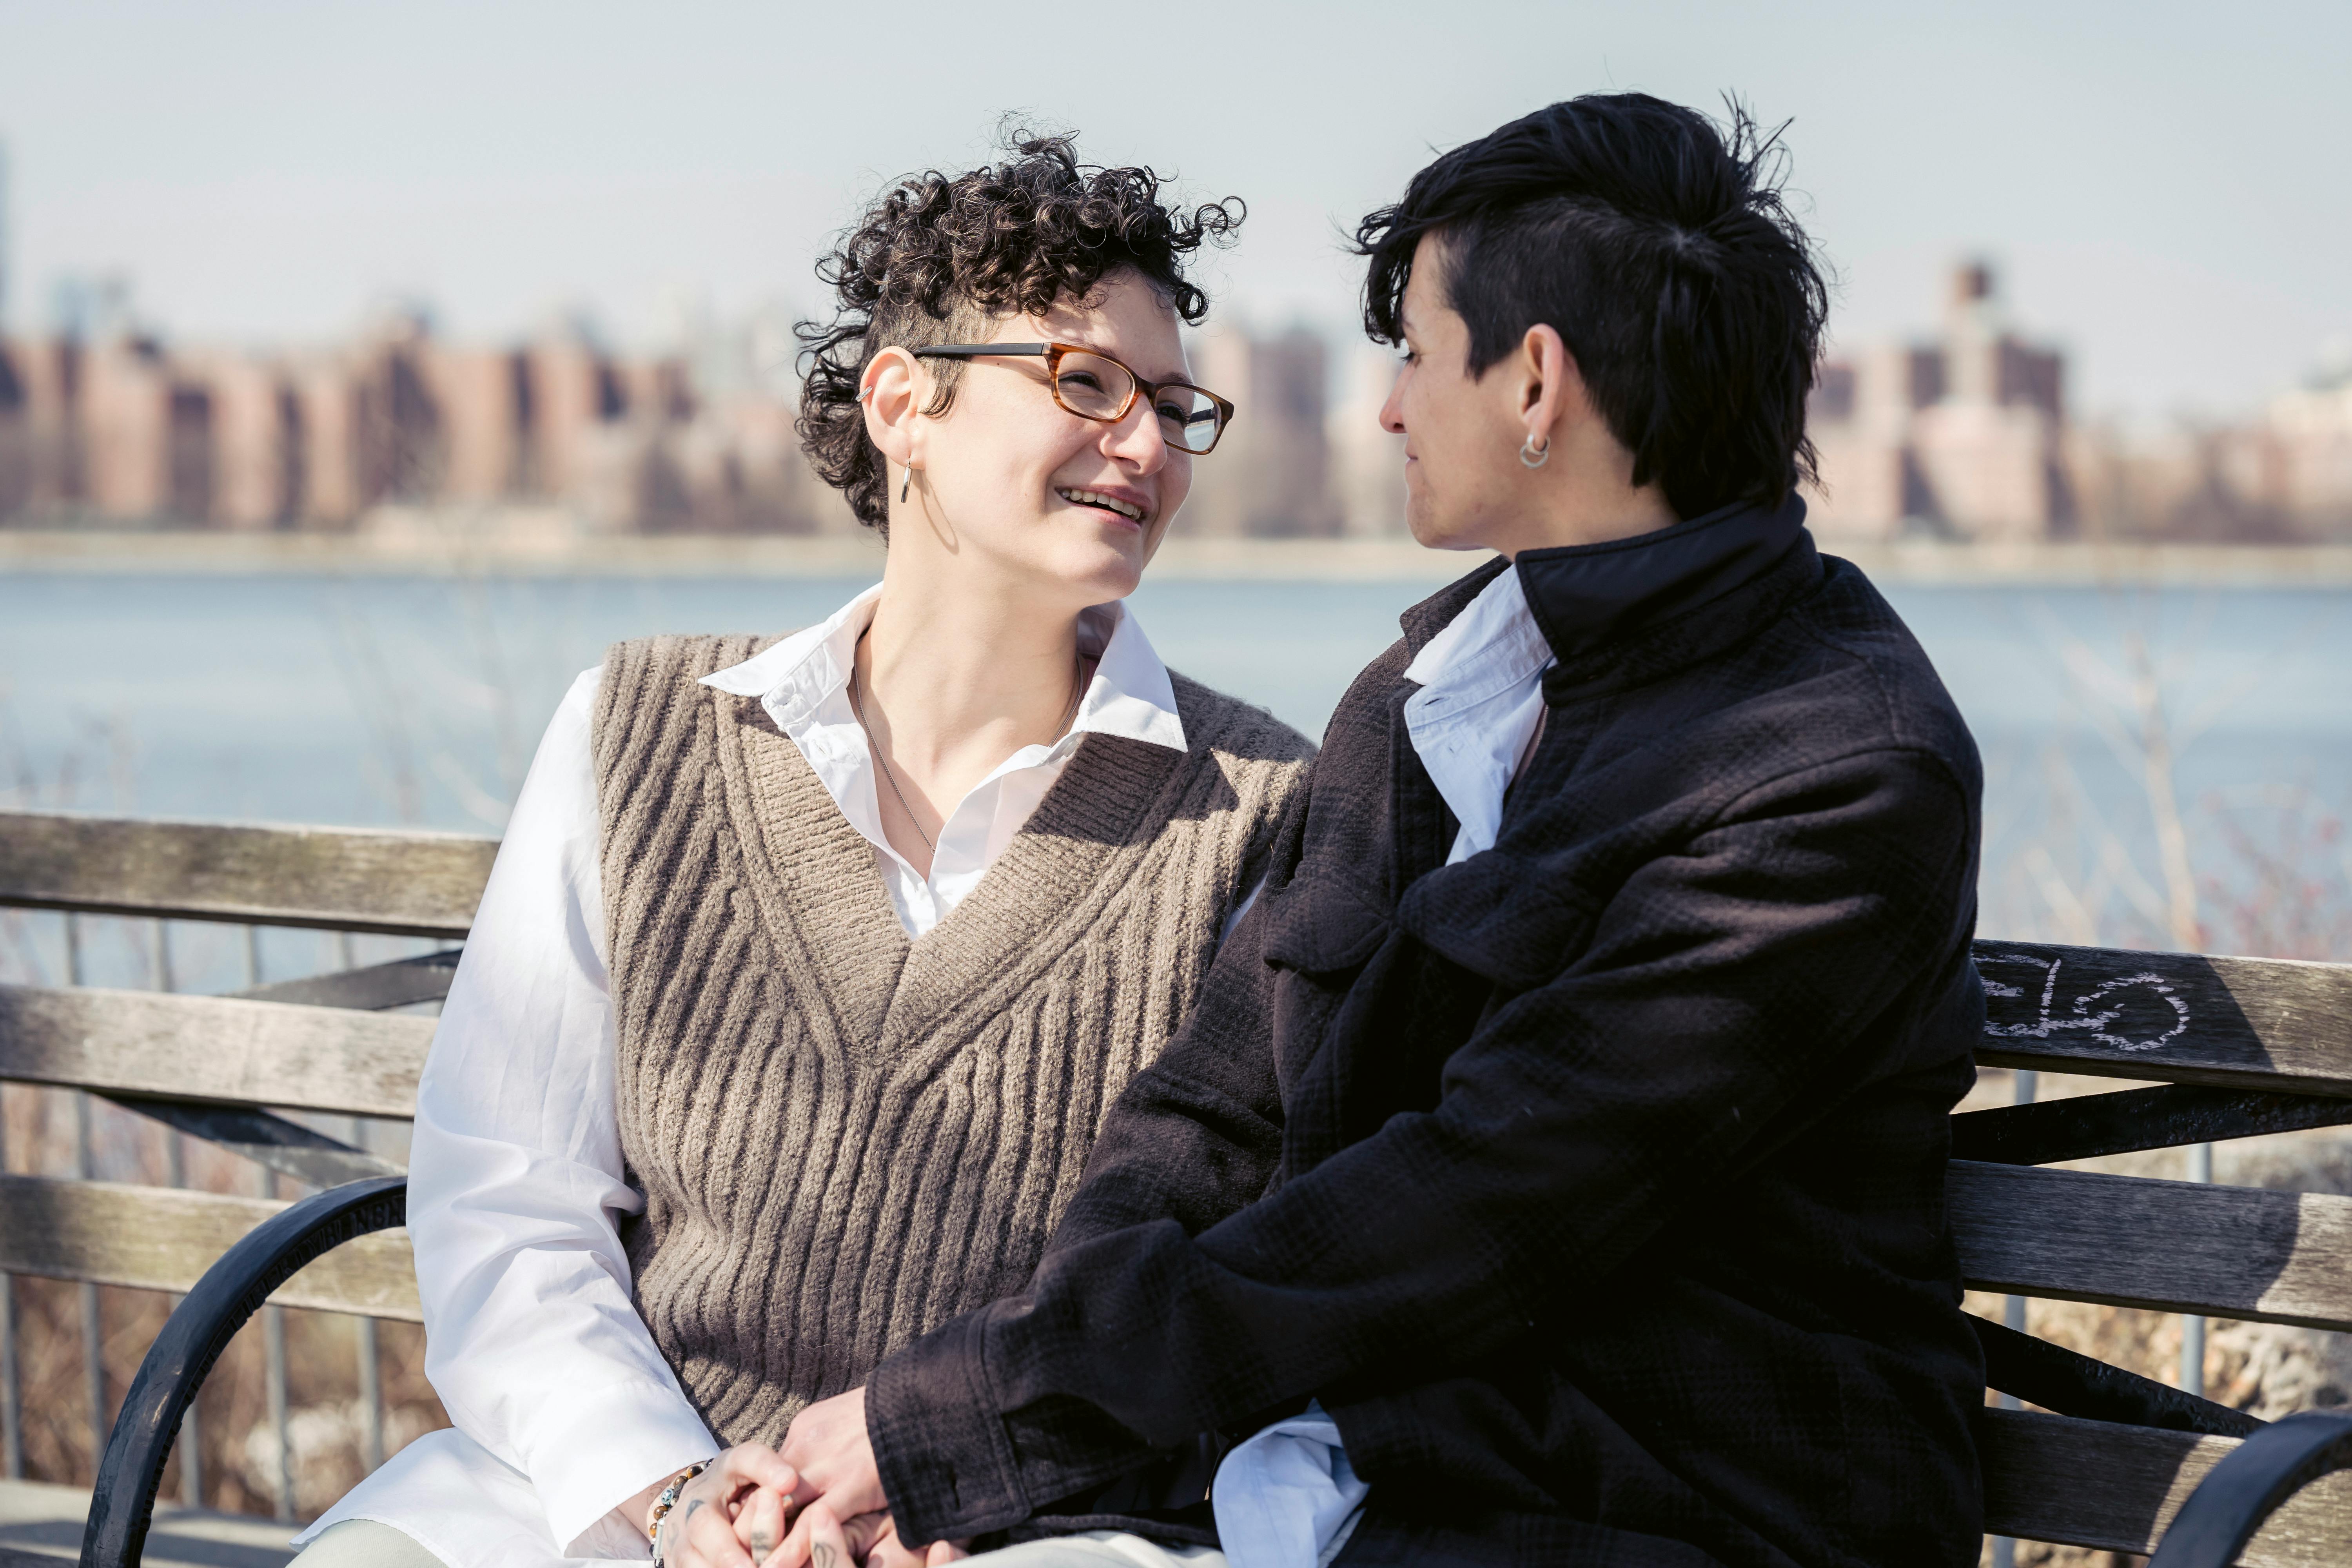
(2166, 186)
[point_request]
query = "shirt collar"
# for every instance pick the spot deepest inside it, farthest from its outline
(1492, 645)
(1130, 694)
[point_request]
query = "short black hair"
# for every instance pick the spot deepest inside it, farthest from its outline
(1657, 244)
(939, 256)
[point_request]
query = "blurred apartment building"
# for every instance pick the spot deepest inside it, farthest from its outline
(112, 426)
(1969, 437)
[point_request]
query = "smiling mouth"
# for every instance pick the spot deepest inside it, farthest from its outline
(1127, 509)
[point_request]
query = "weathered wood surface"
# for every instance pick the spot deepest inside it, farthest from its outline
(214, 1049)
(404, 883)
(2239, 1023)
(2088, 1126)
(2176, 1246)
(2116, 1489)
(163, 1238)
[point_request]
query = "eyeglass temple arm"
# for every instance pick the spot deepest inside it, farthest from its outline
(1031, 351)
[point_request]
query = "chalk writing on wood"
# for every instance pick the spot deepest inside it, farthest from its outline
(2127, 1011)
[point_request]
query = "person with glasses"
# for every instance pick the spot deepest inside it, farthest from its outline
(811, 965)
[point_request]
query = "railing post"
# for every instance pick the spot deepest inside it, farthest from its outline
(93, 1336)
(370, 1364)
(12, 1392)
(273, 1350)
(2192, 1327)
(190, 1440)
(2023, 1086)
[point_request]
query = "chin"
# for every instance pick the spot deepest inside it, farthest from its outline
(1105, 569)
(1436, 533)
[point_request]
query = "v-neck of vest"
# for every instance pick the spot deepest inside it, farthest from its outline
(1049, 887)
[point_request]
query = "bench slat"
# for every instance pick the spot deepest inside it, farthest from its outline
(215, 1048)
(2175, 1247)
(399, 883)
(2237, 1023)
(163, 1238)
(2116, 1488)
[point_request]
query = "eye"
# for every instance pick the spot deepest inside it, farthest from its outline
(1082, 378)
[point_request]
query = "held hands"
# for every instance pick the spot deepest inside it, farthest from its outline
(832, 1494)
(702, 1528)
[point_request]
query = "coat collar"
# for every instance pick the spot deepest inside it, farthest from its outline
(1624, 607)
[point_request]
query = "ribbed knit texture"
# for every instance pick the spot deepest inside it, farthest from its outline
(846, 1138)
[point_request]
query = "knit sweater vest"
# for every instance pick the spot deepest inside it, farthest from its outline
(844, 1137)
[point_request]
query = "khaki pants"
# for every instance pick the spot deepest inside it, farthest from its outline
(364, 1544)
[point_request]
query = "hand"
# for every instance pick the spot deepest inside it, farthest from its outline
(829, 1451)
(870, 1539)
(886, 1553)
(700, 1532)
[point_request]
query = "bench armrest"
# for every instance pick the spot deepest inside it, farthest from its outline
(2244, 1490)
(122, 1503)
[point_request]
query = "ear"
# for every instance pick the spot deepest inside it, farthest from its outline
(1553, 397)
(894, 390)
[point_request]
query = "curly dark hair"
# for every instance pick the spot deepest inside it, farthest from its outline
(937, 259)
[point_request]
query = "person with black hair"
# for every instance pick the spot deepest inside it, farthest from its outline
(1554, 1170)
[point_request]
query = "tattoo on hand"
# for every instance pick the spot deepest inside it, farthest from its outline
(821, 1554)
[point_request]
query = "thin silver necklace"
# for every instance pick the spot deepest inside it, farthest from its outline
(1077, 691)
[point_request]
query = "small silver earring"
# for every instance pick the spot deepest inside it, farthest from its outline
(1530, 456)
(904, 485)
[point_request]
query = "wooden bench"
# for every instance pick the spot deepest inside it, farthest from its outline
(2111, 1461)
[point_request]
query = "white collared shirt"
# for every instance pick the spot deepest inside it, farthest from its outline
(563, 1404)
(804, 683)
(1481, 698)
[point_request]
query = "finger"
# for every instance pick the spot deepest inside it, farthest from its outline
(864, 1533)
(761, 1524)
(944, 1552)
(759, 1465)
(709, 1538)
(816, 1541)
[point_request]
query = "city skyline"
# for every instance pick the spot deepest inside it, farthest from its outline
(270, 173)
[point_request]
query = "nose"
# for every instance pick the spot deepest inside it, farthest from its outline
(1137, 439)
(1393, 411)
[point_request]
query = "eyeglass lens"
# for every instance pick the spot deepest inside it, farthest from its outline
(1098, 388)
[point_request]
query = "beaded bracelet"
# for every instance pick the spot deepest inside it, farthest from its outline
(668, 1499)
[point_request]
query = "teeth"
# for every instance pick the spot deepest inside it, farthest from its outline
(1095, 498)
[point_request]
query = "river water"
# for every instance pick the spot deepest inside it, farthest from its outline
(387, 699)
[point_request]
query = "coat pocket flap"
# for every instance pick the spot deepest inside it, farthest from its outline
(1517, 923)
(1318, 924)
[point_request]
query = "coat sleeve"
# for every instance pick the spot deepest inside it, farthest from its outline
(1719, 982)
(1196, 1135)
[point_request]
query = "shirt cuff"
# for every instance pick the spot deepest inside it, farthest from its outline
(606, 1444)
(940, 1446)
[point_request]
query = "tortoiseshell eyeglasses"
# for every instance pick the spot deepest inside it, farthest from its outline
(1091, 385)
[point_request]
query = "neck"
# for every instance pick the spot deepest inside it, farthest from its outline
(961, 674)
(1586, 495)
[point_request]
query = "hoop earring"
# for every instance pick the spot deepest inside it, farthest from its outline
(904, 485)
(1532, 458)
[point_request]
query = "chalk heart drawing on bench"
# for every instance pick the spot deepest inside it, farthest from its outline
(2112, 1012)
